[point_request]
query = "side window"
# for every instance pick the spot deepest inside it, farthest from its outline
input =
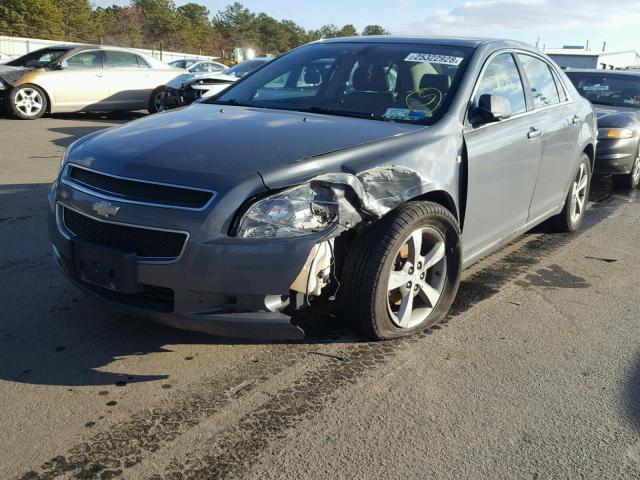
(501, 77)
(561, 89)
(202, 67)
(117, 59)
(91, 59)
(141, 62)
(543, 87)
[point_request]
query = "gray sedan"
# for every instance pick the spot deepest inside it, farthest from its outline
(368, 171)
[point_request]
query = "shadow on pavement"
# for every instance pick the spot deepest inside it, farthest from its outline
(632, 395)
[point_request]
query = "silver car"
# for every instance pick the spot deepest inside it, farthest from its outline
(71, 78)
(368, 171)
(195, 66)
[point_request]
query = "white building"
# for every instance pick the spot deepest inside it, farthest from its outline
(582, 58)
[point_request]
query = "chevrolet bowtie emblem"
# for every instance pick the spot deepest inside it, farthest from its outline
(105, 209)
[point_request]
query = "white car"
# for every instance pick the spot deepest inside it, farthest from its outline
(188, 88)
(195, 66)
(4, 58)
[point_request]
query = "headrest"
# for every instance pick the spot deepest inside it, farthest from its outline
(370, 79)
(311, 76)
(438, 81)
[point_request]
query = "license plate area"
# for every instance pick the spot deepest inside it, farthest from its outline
(110, 268)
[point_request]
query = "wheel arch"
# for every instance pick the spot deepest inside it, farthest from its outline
(590, 150)
(440, 197)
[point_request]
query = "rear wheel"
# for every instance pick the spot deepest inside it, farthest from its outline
(632, 179)
(402, 274)
(27, 102)
(570, 218)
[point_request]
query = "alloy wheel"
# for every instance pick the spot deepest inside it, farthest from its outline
(158, 102)
(417, 278)
(579, 196)
(29, 102)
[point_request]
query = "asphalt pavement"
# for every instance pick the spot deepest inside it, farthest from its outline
(536, 374)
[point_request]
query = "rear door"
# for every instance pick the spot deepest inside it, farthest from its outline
(560, 126)
(130, 80)
(502, 160)
(80, 83)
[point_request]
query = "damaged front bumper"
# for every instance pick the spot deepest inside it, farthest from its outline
(229, 286)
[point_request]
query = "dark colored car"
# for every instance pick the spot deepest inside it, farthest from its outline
(368, 171)
(616, 96)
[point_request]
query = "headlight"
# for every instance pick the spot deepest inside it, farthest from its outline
(290, 213)
(604, 133)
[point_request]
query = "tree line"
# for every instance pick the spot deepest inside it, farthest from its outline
(160, 25)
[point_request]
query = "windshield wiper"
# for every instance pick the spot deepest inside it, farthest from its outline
(231, 101)
(341, 113)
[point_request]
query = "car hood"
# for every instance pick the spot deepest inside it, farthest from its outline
(12, 74)
(200, 144)
(613, 117)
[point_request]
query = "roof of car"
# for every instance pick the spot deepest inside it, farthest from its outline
(449, 41)
(631, 73)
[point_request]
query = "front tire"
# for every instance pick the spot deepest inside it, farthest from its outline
(27, 102)
(632, 179)
(570, 218)
(402, 274)
(156, 101)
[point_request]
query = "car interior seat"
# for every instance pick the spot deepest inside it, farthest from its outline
(371, 90)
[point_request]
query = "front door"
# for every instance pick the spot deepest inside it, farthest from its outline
(502, 162)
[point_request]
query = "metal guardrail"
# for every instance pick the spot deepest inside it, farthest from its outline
(18, 46)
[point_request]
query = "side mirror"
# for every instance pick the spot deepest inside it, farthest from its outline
(62, 65)
(493, 108)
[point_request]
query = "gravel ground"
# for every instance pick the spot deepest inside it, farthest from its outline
(536, 375)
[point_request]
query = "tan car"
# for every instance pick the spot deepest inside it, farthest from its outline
(72, 78)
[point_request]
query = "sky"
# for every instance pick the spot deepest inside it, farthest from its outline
(550, 23)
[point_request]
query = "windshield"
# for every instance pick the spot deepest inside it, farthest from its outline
(243, 68)
(608, 88)
(39, 58)
(384, 81)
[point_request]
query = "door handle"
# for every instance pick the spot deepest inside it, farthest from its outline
(576, 120)
(534, 133)
(99, 74)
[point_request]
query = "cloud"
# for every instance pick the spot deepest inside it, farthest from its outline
(495, 17)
